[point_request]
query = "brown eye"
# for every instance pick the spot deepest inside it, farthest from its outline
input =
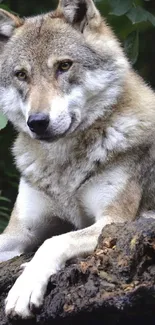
(64, 66)
(21, 75)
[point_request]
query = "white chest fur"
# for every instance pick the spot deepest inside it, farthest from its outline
(58, 170)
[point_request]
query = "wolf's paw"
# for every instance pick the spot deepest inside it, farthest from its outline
(27, 293)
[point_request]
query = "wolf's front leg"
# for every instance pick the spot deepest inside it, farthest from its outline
(29, 225)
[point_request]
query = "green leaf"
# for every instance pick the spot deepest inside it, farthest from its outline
(2, 198)
(5, 209)
(137, 15)
(3, 121)
(3, 223)
(5, 7)
(120, 7)
(13, 184)
(151, 18)
(131, 46)
(12, 175)
(3, 214)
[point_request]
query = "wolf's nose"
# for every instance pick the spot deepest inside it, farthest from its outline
(38, 123)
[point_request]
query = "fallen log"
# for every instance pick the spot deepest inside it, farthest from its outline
(114, 285)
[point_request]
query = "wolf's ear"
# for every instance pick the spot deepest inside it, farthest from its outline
(8, 23)
(78, 12)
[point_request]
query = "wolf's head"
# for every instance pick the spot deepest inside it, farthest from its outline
(59, 71)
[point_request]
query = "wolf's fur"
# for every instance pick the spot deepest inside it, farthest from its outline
(95, 164)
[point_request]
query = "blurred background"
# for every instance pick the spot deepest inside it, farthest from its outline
(134, 23)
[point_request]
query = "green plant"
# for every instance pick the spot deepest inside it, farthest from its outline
(138, 16)
(4, 212)
(3, 121)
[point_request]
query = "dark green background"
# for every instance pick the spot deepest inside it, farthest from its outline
(123, 27)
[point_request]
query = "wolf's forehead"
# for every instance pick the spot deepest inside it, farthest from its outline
(43, 42)
(49, 37)
(49, 32)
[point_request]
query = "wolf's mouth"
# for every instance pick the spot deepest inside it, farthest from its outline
(50, 135)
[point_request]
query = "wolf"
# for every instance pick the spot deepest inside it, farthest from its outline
(86, 140)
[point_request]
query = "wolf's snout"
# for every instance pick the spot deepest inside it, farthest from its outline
(38, 123)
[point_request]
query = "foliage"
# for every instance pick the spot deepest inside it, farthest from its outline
(4, 212)
(131, 19)
(3, 121)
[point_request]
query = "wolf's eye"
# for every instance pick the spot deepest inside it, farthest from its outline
(21, 75)
(64, 66)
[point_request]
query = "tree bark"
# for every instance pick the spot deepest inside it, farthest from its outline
(114, 285)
